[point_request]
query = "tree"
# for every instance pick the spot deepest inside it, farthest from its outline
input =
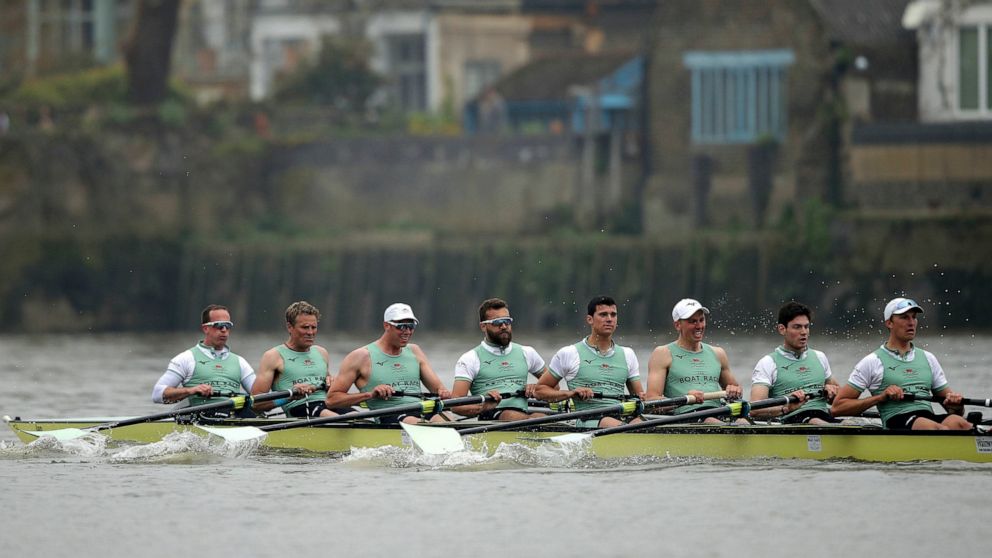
(148, 50)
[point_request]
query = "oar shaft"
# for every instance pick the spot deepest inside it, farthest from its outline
(599, 411)
(734, 408)
(216, 405)
(397, 410)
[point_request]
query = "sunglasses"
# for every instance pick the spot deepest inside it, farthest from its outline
(404, 326)
(498, 322)
(223, 324)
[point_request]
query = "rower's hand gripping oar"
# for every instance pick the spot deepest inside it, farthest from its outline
(964, 400)
(435, 440)
(737, 409)
(427, 406)
(237, 402)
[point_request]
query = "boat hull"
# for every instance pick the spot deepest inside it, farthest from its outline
(720, 442)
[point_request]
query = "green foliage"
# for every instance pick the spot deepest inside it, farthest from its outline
(73, 91)
(340, 77)
(420, 123)
(172, 113)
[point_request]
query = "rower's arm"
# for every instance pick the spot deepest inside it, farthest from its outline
(848, 402)
(461, 389)
(348, 375)
(941, 394)
(758, 392)
(427, 375)
(658, 364)
(727, 380)
(547, 389)
(265, 376)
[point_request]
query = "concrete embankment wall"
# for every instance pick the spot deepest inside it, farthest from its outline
(139, 231)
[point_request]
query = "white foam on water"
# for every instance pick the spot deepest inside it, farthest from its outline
(92, 444)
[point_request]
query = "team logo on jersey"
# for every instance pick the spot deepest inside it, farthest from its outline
(218, 367)
(203, 361)
(679, 356)
(380, 363)
(909, 372)
(292, 359)
(590, 361)
(487, 362)
(802, 369)
(308, 362)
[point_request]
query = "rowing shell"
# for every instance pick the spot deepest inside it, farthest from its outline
(720, 442)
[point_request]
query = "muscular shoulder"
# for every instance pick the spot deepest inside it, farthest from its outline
(357, 357)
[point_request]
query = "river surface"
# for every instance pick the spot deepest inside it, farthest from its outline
(189, 498)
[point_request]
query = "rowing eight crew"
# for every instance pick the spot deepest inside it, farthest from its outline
(595, 370)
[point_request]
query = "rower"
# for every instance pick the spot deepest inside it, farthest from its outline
(687, 366)
(298, 365)
(594, 365)
(794, 368)
(209, 371)
(497, 365)
(386, 366)
(896, 368)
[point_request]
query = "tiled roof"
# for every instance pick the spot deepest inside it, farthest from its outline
(864, 22)
(550, 77)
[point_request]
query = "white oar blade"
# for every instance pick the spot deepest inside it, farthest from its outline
(571, 439)
(434, 440)
(235, 434)
(62, 434)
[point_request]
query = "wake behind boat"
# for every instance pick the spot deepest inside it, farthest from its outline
(856, 442)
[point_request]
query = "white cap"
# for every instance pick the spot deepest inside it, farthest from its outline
(900, 306)
(399, 311)
(686, 308)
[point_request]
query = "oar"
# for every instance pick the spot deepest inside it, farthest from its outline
(964, 400)
(433, 440)
(237, 402)
(738, 409)
(245, 433)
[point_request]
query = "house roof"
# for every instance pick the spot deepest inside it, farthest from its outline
(863, 22)
(551, 77)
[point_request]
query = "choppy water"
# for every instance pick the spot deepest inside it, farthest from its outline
(184, 496)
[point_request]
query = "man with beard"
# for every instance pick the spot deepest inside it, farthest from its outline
(386, 366)
(497, 365)
(208, 372)
(687, 366)
(297, 364)
(896, 368)
(594, 365)
(795, 369)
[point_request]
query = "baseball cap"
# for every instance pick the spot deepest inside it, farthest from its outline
(686, 308)
(900, 306)
(399, 311)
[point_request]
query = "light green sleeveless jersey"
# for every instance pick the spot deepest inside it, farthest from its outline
(223, 375)
(301, 368)
(914, 376)
(401, 371)
(691, 371)
(505, 373)
(806, 374)
(602, 374)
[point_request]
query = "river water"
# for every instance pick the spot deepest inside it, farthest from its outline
(186, 497)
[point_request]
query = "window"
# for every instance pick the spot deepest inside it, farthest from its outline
(479, 74)
(974, 69)
(738, 97)
(406, 55)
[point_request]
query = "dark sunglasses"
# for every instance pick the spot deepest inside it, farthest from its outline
(498, 322)
(223, 324)
(404, 326)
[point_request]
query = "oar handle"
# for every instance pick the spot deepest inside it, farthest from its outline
(964, 400)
